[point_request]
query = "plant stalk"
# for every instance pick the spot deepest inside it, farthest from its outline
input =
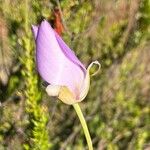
(84, 125)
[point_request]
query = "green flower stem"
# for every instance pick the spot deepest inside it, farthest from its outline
(84, 125)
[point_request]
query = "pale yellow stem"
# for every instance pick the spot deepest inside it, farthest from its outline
(84, 125)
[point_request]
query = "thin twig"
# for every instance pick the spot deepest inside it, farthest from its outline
(62, 18)
(70, 138)
(132, 20)
(52, 114)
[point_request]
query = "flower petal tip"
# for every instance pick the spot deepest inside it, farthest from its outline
(53, 90)
(45, 23)
(35, 31)
(86, 84)
(94, 63)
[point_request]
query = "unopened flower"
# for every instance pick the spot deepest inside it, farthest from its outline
(58, 65)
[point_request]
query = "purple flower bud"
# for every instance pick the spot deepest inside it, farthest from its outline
(58, 65)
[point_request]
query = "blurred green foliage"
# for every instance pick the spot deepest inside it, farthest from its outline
(117, 108)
